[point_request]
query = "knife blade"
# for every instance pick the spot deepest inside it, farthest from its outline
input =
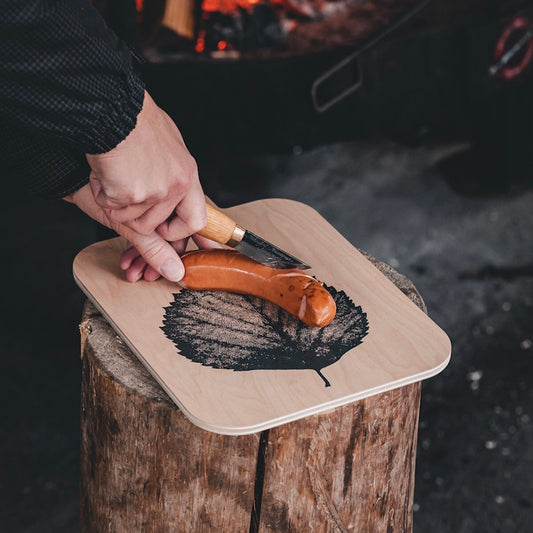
(223, 229)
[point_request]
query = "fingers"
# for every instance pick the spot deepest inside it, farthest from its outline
(205, 244)
(150, 274)
(156, 252)
(145, 216)
(136, 269)
(152, 257)
(180, 246)
(128, 257)
(160, 255)
(142, 218)
(130, 212)
(191, 216)
(136, 266)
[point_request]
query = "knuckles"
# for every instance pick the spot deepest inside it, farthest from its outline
(197, 224)
(165, 232)
(143, 228)
(153, 251)
(180, 229)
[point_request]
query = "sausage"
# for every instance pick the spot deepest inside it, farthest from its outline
(291, 289)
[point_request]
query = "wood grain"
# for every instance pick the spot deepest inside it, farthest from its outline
(220, 227)
(403, 345)
(350, 469)
(146, 467)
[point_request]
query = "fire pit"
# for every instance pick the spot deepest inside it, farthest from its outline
(241, 72)
(260, 28)
(256, 75)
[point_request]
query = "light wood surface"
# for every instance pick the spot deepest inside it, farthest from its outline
(402, 345)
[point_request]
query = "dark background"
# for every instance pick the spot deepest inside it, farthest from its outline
(428, 167)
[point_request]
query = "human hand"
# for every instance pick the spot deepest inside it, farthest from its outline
(160, 257)
(137, 268)
(148, 178)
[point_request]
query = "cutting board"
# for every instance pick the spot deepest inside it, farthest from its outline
(237, 365)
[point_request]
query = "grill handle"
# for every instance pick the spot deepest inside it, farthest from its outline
(319, 84)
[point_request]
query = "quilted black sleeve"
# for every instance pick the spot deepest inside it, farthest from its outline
(39, 165)
(65, 76)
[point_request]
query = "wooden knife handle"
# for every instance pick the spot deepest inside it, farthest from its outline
(221, 228)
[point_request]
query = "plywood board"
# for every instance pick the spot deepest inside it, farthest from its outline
(234, 366)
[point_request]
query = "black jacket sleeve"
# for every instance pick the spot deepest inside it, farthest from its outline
(64, 75)
(41, 166)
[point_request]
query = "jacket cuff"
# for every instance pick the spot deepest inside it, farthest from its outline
(69, 175)
(117, 119)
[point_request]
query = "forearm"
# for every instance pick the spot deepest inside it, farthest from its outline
(64, 74)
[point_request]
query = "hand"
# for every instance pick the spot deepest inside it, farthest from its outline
(149, 177)
(159, 255)
(136, 266)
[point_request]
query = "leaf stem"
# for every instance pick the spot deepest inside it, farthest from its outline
(319, 372)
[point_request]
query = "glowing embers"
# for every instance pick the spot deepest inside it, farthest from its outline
(234, 26)
(227, 6)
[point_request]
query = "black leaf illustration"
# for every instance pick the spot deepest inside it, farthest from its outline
(240, 332)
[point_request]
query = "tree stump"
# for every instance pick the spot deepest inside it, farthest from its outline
(146, 468)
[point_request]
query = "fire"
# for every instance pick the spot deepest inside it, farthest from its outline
(200, 42)
(226, 27)
(226, 6)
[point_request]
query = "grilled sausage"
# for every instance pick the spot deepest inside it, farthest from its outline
(228, 270)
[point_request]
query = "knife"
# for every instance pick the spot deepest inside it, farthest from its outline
(224, 230)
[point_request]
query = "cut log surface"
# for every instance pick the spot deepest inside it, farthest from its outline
(146, 468)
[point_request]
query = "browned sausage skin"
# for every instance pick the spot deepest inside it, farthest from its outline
(228, 270)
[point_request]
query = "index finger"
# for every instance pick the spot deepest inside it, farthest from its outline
(191, 216)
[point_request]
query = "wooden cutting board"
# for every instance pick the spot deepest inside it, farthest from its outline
(235, 364)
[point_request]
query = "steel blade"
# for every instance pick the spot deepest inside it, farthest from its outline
(267, 253)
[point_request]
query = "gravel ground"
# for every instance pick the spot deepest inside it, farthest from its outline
(469, 255)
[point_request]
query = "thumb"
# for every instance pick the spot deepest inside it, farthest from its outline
(155, 250)
(159, 254)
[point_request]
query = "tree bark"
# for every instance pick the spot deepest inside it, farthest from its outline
(146, 468)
